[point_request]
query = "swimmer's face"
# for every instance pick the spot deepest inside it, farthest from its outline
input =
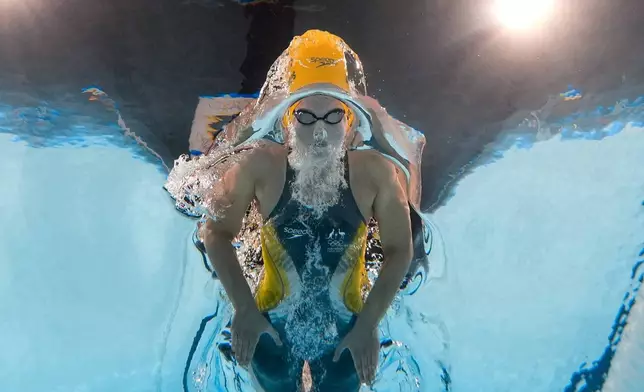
(317, 152)
(319, 123)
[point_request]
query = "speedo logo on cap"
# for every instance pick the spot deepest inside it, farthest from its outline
(324, 61)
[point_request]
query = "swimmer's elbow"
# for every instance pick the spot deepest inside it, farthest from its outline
(215, 232)
(400, 255)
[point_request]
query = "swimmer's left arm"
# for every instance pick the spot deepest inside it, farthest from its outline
(391, 211)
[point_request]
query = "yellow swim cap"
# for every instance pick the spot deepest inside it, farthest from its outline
(318, 57)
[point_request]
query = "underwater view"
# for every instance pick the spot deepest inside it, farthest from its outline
(517, 240)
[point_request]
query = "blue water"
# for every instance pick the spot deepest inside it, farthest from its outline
(103, 290)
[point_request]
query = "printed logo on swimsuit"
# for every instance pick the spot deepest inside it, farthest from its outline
(296, 233)
(336, 240)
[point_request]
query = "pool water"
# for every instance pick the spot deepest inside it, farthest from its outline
(102, 289)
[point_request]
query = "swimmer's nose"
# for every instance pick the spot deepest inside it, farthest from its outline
(319, 134)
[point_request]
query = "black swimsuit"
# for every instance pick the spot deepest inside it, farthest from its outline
(311, 290)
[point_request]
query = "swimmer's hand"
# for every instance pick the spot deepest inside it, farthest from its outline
(247, 326)
(363, 346)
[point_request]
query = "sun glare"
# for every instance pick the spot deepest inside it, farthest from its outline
(522, 14)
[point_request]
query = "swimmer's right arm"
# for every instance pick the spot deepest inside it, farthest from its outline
(248, 323)
(239, 190)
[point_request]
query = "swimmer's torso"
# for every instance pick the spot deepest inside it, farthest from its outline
(316, 261)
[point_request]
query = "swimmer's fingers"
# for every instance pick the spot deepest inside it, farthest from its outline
(375, 357)
(370, 368)
(249, 348)
(360, 363)
(235, 342)
(242, 346)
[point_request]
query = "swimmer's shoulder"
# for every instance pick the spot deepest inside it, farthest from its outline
(265, 158)
(373, 165)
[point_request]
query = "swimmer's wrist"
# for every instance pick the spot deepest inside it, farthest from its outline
(366, 321)
(246, 307)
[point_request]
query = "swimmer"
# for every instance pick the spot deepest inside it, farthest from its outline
(316, 196)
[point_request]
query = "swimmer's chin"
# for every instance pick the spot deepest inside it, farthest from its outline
(320, 153)
(323, 146)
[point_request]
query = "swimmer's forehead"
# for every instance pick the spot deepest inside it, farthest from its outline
(319, 103)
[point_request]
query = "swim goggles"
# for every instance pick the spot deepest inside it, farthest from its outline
(306, 117)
